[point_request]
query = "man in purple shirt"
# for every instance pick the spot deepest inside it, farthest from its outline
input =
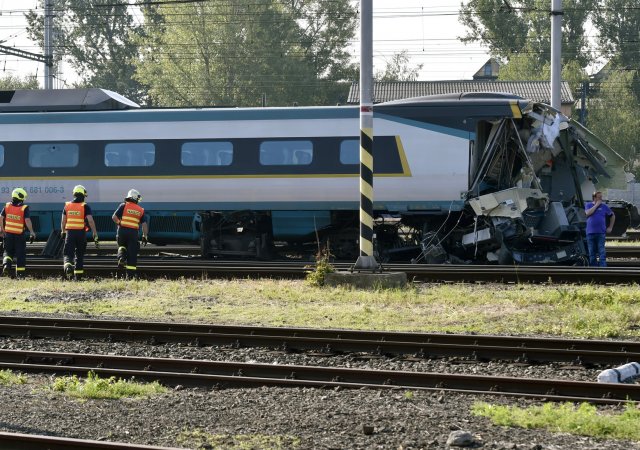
(597, 212)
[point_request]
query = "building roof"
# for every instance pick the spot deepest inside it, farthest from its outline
(538, 91)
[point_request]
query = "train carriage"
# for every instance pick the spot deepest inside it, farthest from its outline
(470, 177)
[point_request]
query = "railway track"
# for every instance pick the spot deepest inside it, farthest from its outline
(18, 441)
(192, 267)
(215, 374)
(527, 350)
(193, 251)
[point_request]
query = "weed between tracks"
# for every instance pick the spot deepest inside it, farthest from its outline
(201, 439)
(584, 419)
(113, 388)
(577, 311)
(7, 377)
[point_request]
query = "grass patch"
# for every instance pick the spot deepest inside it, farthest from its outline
(567, 310)
(201, 439)
(7, 377)
(113, 388)
(583, 419)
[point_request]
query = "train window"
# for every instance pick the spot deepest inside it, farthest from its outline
(129, 154)
(53, 155)
(350, 151)
(1, 155)
(208, 153)
(286, 153)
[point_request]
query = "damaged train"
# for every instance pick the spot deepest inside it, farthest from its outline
(530, 174)
(477, 178)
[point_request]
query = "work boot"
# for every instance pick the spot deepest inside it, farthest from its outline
(121, 263)
(6, 270)
(68, 270)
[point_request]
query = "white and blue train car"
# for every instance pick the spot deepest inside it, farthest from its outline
(266, 181)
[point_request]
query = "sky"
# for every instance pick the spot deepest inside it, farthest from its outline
(426, 29)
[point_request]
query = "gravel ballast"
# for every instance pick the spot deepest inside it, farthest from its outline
(284, 418)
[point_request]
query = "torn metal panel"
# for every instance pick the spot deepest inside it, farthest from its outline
(508, 203)
(605, 154)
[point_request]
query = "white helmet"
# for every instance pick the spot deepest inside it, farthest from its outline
(134, 195)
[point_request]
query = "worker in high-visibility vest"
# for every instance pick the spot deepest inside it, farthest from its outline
(75, 218)
(130, 217)
(15, 218)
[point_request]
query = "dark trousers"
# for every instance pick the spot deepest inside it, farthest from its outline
(75, 246)
(128, 247)
(597, 251)
(15, 250)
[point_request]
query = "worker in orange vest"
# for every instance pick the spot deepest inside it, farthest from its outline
(15, 217)
(129, 217)
(75, 218)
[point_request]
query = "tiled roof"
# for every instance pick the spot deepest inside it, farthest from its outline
(539, 91)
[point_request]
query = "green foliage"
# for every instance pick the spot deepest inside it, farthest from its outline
(97, 38)
(398, 69)
(613, 114)
(323, 266)
(11, 82)
(95, 387)
(201, 439)
(583, 419)
(526, 67)
(7, 377)
(618, 22)
(231, 53)
(523, 27)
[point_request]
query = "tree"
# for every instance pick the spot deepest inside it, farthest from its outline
(97, 38)
(618, 23)
(523, 27)
(233, 52)
(526, 67)
(613, 115)
(12, 82)
(398, 69)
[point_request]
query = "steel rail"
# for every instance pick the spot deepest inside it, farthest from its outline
(19, 441)
(209, 374)
(623, 252)
(327, 342)
(436, 273)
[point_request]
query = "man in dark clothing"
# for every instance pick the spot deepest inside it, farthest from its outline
(15, 217)
(129, 216)
(597, 212)
(75, 218)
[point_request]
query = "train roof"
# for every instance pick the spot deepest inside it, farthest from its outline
(37, 100)
(459, 99)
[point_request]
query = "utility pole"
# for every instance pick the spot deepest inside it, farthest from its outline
(48, 48)
(366, 260)
(556, 47)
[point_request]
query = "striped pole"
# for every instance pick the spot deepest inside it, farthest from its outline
(366, 260)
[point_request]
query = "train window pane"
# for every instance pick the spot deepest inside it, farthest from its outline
(53, 155)
(350, 151)
(129, 154)
(286, 153)
(206, 153)
(1, 155)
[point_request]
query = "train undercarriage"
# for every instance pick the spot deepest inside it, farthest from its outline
(530, 233)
